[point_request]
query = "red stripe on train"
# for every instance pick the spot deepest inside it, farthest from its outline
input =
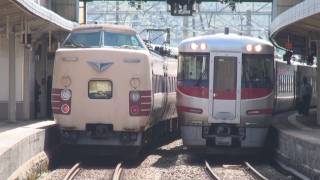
(246, 93)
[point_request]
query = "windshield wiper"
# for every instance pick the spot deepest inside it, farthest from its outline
(76, 44)
(129, 47)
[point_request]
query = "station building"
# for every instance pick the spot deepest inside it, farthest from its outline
(30, 33)
(295, 27)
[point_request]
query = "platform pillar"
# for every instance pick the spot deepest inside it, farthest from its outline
(26, 85)
(12, 79)
(318, 82)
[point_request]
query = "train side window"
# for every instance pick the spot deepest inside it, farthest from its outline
(100, 89)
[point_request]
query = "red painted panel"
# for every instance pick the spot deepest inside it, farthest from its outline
(252, 93)
(56, 102)
(140, 108)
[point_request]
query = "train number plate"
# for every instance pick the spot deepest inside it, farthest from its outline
(223, 141)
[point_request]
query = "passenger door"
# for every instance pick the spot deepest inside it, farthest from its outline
(224, 88)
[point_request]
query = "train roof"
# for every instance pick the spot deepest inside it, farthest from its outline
(226, 42)
(107, 27)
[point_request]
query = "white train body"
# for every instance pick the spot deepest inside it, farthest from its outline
(228, 88)
(112, 92)
(223, 103)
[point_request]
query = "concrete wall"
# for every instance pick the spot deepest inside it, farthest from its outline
(21, 144)
(299, 153)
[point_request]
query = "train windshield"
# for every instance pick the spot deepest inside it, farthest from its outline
(110, 39)
(83, 40)
(121, 40)
(257, 71)
(193, 70)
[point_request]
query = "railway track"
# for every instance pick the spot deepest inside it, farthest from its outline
(72, 173)
(246, 167)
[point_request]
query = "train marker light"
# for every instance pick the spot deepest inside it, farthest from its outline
(70, 59)
(249, 47)
(194, 46)
(65, 108)
(203, 46)
(134, 109)
(258, 48)
(65, 94)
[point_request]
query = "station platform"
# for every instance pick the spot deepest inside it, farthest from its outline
(22, 141)
(298, 143)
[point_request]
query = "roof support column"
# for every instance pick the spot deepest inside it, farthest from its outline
(318, 82)
(12, 78)
(26, 84)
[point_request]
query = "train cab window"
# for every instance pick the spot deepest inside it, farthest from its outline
(257, 71)
(83, 40)
(100, 89)
(121, 40)
(193, 70)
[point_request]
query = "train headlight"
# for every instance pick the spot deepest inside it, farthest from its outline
(194, 46)
(66, 81)
(203, 46)
(135, 83)
(134, 96)
(249, 47)
(258, 48)
(65, 94)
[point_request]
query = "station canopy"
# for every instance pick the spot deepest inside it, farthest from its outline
(29, 16)
(293, 26)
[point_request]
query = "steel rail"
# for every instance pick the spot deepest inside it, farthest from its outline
(212, 174)
(255, 172)
(117, 172)
(72, 172)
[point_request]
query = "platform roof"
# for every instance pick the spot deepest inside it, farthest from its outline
(201, 0)
(38, 18)
(302, 20)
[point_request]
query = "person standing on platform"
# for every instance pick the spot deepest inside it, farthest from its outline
(306, 94)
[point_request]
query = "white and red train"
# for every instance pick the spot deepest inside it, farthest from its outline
(110, 90)
(228, 88)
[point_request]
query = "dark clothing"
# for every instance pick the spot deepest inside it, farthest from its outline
(306, 103)
(306, 94)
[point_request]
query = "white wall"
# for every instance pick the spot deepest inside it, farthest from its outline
(4, 69)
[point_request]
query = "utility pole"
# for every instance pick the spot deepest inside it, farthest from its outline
(117, 12)
(248, 22)
(185, 27)
(193, 26)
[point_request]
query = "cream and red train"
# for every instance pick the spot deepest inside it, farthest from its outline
(109, 89)
(228, 88)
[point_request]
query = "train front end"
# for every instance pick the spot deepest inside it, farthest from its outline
(225, 92)
(101, 87)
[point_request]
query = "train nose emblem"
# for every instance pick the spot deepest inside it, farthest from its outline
(100, 67)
